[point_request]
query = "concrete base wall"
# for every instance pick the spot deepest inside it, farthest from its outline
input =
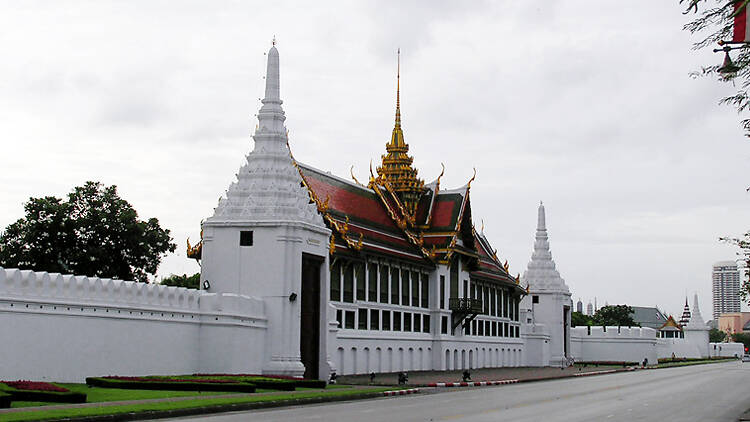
(618, 344)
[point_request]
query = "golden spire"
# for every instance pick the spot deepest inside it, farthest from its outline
(396, 165)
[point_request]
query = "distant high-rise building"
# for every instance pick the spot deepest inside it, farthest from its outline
(589, 309)
(725, 279)
(579, 306)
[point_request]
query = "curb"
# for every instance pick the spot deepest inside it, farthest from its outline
(401, 392)
(472, 384)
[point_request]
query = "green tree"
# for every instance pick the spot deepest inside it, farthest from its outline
(741, 338)
(93, 232)
(578, 319)
(743, 244)
(716, 335)
(713, 21)
(615, 315)
(191, 282)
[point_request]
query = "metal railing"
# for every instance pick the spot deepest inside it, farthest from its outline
(465, 305)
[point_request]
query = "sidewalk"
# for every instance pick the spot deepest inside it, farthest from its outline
(426, 378)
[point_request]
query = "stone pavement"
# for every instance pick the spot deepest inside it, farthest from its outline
(423, 378)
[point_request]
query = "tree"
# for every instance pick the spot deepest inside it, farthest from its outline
(743, 243)
(191, 282)
(741, 338)
(578, 319)
(93, 232)
(714, 23)
(619, 315)
(716, 336)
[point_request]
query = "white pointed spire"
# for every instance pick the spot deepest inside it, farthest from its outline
(541, 273)
(268, 186)
(696, 319)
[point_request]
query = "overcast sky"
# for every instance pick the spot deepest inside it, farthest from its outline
(586, 105)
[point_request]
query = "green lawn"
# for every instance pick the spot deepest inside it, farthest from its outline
(691, 362)
(41, 414)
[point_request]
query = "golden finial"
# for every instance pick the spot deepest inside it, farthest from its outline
(332, 245)
(372, 176)
(351, 171)
(398, 87)
(468, 185)
(505, 266)
(442, 172)
(273, 41)
(482, 229)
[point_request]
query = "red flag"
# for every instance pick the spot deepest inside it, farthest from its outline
(741, 28)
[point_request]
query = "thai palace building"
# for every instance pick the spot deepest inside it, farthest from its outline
(304, 273)
(395, 263)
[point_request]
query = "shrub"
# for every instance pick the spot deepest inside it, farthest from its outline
(298, 382)
(144, 383)
(5, 400)
(40, 391)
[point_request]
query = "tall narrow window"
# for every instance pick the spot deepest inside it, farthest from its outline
(442, 292)
(386, 321)
(414, 288)
(395, 292)
(349, 319)
(426, 324)
(348, 282)
(336, 281)
(407, 321)
(383, 284)
(417, 323)
(444, 325)
(340, 318)
(362, 319)
(466, 289)
(374, 319)
(405, 287)
(396, 321)
(454, 279)
(372, 282)
(359, 268)
(425, 291)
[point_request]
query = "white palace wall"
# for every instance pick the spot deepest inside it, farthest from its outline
(615, 344)
(65, 328)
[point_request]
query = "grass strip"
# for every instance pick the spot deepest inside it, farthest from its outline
(690, 362)
(198, 406)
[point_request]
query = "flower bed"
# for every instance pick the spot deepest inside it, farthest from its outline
(171, 383)
(40, 391)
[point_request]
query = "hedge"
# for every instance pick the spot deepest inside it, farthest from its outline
(241, 387)
(45, 396)
(5, 400)
(253, 378)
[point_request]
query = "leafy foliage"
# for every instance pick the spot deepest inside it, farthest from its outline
(578, 319)
(714, 22)
(716, 335)
(94, 232)
(619, 315)
(191, 282)
(743, 243)
(741, 338)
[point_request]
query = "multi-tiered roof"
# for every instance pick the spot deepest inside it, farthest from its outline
(397, 215)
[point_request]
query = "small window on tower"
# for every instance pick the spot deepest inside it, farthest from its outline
(535, 299)
(246, 238)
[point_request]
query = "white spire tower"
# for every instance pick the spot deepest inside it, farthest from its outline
(541, 273)
(550, 299)
(266, 239)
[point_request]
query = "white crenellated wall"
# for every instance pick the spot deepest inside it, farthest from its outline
(65, 328)
(614, 344)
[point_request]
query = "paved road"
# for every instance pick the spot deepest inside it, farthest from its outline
(714, 392)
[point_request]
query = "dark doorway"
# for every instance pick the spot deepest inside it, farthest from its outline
(566, 313)
(309, 345)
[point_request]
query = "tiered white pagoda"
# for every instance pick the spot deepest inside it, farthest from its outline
(549, 299)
